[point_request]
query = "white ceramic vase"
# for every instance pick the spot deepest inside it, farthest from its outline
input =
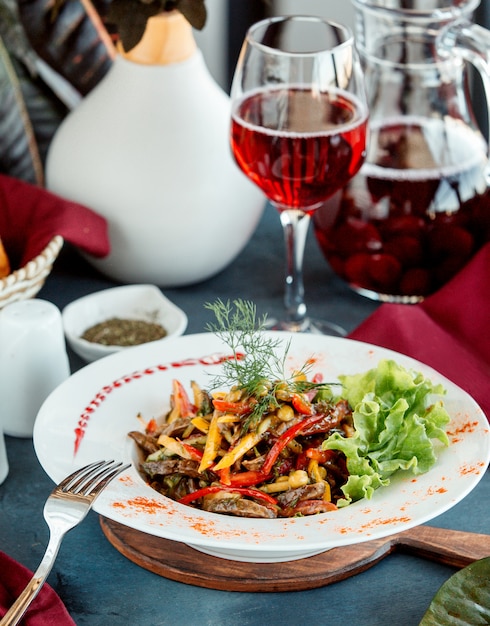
(148, 149)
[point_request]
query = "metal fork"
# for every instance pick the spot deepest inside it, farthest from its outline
(65, 508)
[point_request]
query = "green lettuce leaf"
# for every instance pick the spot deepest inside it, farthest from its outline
(397, 418)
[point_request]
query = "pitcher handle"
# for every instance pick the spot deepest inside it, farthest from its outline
(471, 43)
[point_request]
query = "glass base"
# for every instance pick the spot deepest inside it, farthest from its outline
(308, 325)
(386, 297)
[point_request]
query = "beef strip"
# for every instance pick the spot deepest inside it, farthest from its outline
(309, 507)
(175, 428)
(148, 444)
(331, 420)
(171, 466)
(278, 428)
(308, 492)
(238, 506)
(254, 464)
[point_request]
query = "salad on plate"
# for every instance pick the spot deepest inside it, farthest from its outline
(259, 443)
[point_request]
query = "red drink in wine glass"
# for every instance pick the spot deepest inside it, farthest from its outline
(298, 130)
(319, 147)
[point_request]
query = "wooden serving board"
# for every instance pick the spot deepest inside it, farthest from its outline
(182, 563)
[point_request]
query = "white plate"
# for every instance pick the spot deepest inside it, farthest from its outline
(88, 417)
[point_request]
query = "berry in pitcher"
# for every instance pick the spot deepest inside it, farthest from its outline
(414, 215)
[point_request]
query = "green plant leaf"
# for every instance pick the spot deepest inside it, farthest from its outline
(463, 600)
(19, 154)
(73, 40)
(13, 35)
(194, 12)
(46, 111)
(30, 111)
(130, 17)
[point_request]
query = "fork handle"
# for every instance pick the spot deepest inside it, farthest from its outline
(20, 606)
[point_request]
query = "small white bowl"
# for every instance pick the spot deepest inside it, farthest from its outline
(141, 302)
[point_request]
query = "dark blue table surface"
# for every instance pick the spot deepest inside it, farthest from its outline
(100, 587)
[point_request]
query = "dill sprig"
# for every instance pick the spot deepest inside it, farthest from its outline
(257, 366)
(238, 326)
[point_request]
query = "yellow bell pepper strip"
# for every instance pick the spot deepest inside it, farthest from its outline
(244, 491)
(245, 444)
(197, 393)
(327, 496)
(314, 471)
(201, 424)
(228, 418)
(213, 442)
(316, 475)
(201, 399)
(287, 436)
(174, 446)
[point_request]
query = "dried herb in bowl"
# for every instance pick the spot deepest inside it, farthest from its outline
(124, 332)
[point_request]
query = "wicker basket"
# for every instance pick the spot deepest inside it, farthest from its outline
(25, 282)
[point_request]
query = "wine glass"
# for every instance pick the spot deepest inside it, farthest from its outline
(298, 130)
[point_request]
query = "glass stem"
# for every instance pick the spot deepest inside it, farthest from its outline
(295, 227)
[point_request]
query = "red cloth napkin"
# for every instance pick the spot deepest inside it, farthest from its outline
(449, 331)
(31, 216)
(46, 610)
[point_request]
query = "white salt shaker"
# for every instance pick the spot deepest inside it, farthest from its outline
(4, 464)
(33, 361)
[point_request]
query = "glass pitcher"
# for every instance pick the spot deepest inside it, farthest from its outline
(420, 206)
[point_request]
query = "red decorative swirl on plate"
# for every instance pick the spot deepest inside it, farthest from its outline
(100, 396)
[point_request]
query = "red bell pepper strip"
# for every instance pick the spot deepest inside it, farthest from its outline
(237, 408)
(321, 456)
(195, 453)
(302, 461)
(310, 507)
(244, 491)
(284, 467)
(181, 401)
(247, 479)
(285, 438)
(224, 475)
(301, 404)
(151, 427)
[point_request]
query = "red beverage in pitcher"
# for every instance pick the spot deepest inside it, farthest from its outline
(413, 216)
(297, 146)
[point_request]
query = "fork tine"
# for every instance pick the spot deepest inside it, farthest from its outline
(87, 478)
(79, 474)
(88, 485)
(105, 480)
